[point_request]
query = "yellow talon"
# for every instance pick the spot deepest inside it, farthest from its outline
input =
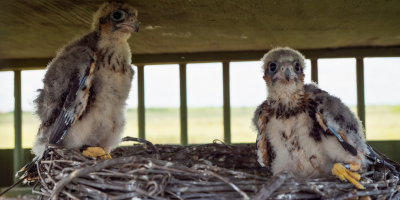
(96, 152)
(342, 173)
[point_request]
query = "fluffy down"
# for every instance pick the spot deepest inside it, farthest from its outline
(104, 92)
(290, 138)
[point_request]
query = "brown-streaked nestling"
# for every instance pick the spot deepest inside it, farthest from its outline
(305, 130)
(82, 104)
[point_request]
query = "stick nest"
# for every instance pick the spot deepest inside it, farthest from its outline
(209, 171)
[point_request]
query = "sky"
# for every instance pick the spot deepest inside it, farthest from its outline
(204, 84)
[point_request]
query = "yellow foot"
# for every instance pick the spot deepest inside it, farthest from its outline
(96, 152)
(342, 173)
(365, 198)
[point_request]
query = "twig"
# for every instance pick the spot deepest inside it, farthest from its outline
(296, 196)
(89, 190)
(126, 196)
(266, 192)
(143, 141)
(69, 195)
(232, 172)
(240, 175)
(12, 186)
(173, 194)
(222, 142)
(229, 183)
(364, 193)
(87, 170)
(185, 150)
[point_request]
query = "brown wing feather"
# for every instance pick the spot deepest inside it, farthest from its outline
(70, 113)
(263, 144)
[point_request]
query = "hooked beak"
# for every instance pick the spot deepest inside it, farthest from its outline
(130, 26)
(288, 74)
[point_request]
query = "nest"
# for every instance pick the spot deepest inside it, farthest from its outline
(210, 171)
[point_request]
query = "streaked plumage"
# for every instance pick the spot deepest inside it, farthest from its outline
(86, 85)
(297, 122)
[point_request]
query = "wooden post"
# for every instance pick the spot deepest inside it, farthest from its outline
(314, 70)
(360, 90)
(227, 104)
(141, 106)
(183, 108)
(18, 153)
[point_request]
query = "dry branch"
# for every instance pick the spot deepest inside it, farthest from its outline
(274, 184)
(210, 171)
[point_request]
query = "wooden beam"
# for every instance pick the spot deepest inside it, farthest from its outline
(360, 90)
(141, 106)
(257, 55)
(183, 108)
(352, 52)
(206, 57)
(227, 104)
(314, 70)
(18, 154)
(24, 64)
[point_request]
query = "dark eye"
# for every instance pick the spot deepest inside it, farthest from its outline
(118, 15)
(272, 66)
(297, 66)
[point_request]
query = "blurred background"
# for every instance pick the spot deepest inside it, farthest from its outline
(205, 99)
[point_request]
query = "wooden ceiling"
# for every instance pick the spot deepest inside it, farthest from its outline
(37, 28)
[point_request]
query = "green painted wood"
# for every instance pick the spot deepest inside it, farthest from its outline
(314, 70)
(174, 58)
(390, 148)
(360, 90)
(18, 153)
(6, 165)
(18, 192)
(227, 104)
(183, 106)
(141, 106)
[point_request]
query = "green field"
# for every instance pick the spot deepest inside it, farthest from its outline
(204, 124)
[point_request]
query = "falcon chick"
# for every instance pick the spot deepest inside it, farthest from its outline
(86, 85)
(305, 130)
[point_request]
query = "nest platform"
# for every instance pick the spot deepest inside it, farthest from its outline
(209, 171)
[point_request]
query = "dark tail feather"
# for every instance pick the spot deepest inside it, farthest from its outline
(378, 157)
(349, 148)
(28, 165)
(30, 170)
(45, 153)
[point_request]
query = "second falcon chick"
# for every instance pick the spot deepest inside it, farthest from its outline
(82, 104)
(305, 130)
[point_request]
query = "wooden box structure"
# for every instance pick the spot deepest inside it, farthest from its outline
(182, 32)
